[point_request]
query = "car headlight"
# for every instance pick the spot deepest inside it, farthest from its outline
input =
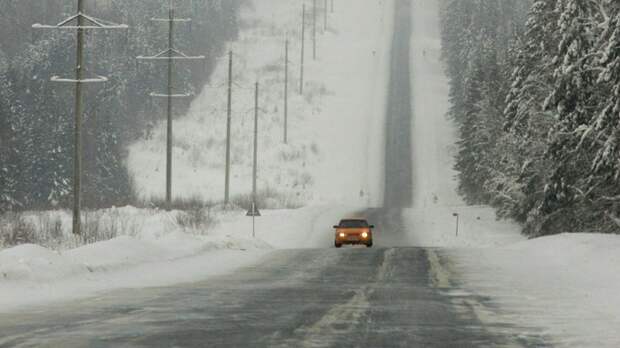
(364, 234)
(342, 234)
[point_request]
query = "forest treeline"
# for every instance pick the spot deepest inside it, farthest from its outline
(36, 115)
(535, 92)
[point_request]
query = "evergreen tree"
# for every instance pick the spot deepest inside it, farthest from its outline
(521, 172)
(8, 168)
(602, 183)
(572, 100)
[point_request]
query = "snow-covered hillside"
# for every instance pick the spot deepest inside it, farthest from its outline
(335, 135)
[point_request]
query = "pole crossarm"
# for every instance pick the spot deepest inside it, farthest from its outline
(87, 21)
(168, 20)
(169, 54)
(87, 80)
(161, 95)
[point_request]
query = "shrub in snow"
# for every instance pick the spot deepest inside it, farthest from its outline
(196, 219)
(15, 230)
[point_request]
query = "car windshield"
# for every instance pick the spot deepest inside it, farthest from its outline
(353, 223)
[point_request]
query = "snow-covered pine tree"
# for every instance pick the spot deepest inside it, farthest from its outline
(457, 37)
(603, 182)
(475, 55)
(521, 172)
(8, 168)
(480, 112)
(572, 100)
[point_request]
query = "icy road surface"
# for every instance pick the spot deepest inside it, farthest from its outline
(388, 296)
(355, 297)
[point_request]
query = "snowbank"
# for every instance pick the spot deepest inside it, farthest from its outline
(158, 253)
(564, 287)
(155, 251)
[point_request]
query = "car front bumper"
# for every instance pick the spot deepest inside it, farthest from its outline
(353, 240)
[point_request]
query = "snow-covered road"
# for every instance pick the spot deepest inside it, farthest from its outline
(354, 297)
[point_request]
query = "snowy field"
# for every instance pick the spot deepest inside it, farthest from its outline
(335, 128)
(332, 164)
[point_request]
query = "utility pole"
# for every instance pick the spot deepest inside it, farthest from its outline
(314, 29)
(254, 212)
(303, 47)
(228, 125)
(332, 6)
(255, 161)
(77, 124)
(80, 22)
(286, 91)
(170, 55)
(325, 16)
(169, 111)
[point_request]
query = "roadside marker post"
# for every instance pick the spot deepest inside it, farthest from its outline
(456, 215)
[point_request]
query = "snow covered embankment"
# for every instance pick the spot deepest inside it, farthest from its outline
(153, 250)
(564, 287)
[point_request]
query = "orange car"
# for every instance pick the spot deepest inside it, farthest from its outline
(353, 231)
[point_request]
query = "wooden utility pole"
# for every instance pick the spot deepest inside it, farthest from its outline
(253, 211)
(303, 47)
(77, 126)
(255, 162)
(286, 91)
(169, 111)
(325, 16)
(332, 6)
(228, 126)
(80, 22)
(314, 29)
(170, 55)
